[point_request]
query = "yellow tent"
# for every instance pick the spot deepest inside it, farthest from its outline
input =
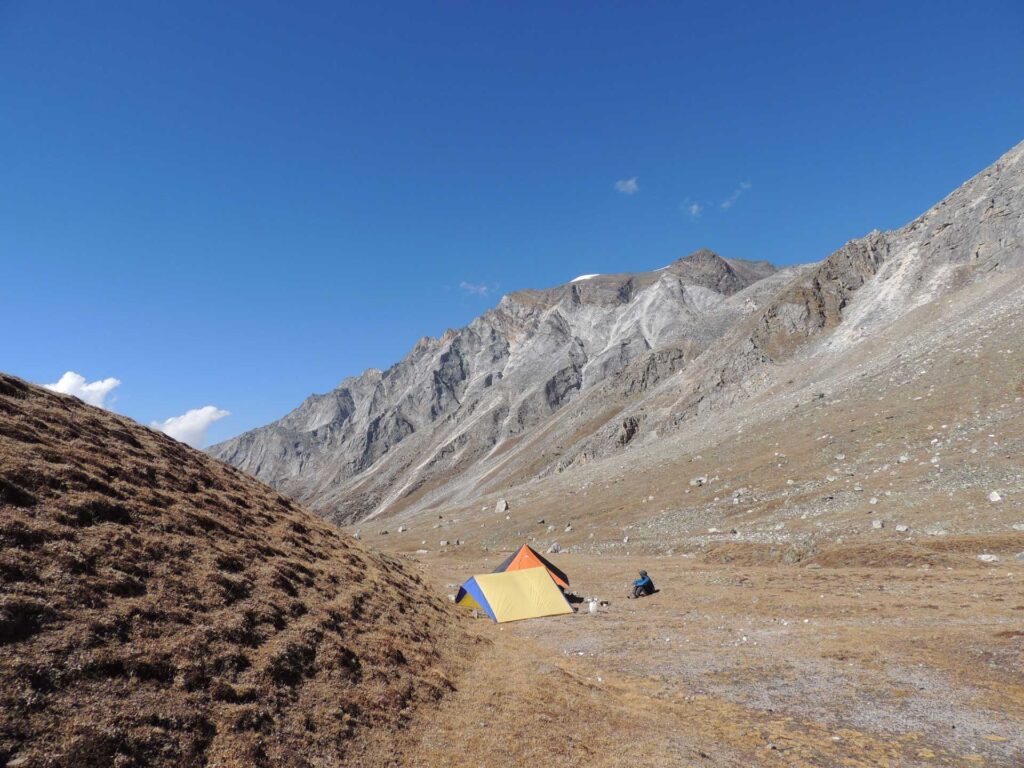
(513, 595)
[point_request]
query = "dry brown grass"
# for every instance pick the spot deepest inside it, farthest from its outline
(158, 608)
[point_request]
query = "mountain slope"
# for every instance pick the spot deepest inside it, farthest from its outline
(388, 439)
(553, 379)
(159, 608)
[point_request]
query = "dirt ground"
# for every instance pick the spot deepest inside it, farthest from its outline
(740, 665)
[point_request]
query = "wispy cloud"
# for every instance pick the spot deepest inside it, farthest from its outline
(92, 392)
(475, 289)
(627, 186)
(191, 426)
(695, 209)
(730, 201)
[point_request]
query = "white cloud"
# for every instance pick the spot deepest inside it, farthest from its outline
(93, 392)
(191, 426)
(695, 210)
(476, 289)
(731, 199)
(627, 186)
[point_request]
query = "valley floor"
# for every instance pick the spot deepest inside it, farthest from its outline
(738, 665)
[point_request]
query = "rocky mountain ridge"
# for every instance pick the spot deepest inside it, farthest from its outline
(554, 378)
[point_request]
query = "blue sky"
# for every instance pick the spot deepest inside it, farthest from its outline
(240, 204)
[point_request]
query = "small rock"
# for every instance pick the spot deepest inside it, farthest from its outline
(989, 558)
(402, 529)
(698, 481)
(878, 524)
(541, 521)
(1018, 526)
(1020, 555)
(840, 456)
(444, 542)
(903, 459)
(501, 506)
(625, 539)
(357, 535)
(554, 549)
(902, 528)
(873, 500)
(568, 527)
(994, 497)
(384, 532)
(551, 528)
(712, 530)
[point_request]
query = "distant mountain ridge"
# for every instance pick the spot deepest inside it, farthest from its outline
(454, 400)
(550, 378)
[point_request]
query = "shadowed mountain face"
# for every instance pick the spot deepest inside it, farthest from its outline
(160, 608)
(552, 379)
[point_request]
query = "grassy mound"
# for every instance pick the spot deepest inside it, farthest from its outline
(159, 608)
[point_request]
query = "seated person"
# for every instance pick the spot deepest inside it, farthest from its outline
(643, 586)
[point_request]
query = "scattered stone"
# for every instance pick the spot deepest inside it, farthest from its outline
(459, 542)
(903, 459)
(994, 497)
(402, 529)
(712, 530)
(1020, 555)
(568, 527)
(551, 528)
(873, 500)
(625, 539)
(902, 528)
(989, 558)
(1018, 526)
(878, 524)
(357, 535)
(840, 456)
(554, 549)
(501, 506)
(384, 532)
(699, 481)
(444, 542)
(541, 521)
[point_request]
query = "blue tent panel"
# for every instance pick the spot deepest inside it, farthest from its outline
(473, 590)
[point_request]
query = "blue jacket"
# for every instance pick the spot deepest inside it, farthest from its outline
(643, 582)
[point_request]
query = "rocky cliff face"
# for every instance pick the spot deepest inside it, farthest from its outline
(390, 438)
(551, 379)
